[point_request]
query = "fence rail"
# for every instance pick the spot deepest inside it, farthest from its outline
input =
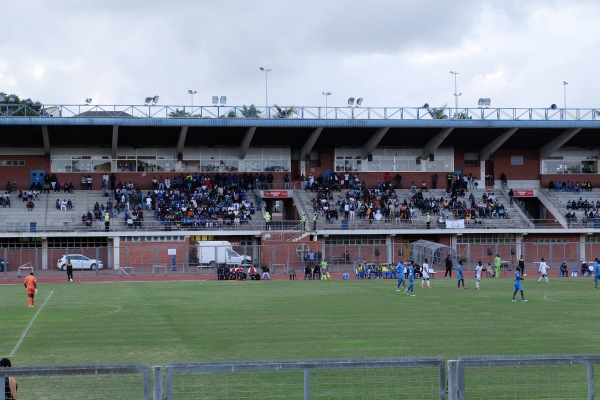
(126, 381)
(482, 377)
(203, 114)
(555, 377)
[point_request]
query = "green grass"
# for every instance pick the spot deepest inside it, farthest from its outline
(190, 321)
(163, 322)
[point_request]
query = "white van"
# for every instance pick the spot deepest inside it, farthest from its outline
(219, 252)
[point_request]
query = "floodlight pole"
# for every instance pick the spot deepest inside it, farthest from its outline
(266, 71)
(192, 93)
(565, 93)
(456, 94)
(326, 94)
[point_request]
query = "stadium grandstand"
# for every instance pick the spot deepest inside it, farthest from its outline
(345, 181)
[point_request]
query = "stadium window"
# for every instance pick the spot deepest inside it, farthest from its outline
(471, 159)
(516, 160)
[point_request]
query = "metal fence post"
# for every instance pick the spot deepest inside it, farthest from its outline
(452, 395)
(158, 383)
(307, 384)
(590, 380)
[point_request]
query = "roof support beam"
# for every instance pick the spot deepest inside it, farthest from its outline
(556, 143)
(245, 145)
(495, 144)
(181, 142)
(373, 142)
(46, 139)
(115, 141)
(435, 142)
(310, 143)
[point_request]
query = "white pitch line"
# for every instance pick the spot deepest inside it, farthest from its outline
(12, 353)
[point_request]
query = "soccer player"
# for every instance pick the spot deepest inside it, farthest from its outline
(31, 287)
(478, 270)
(543, 269)
(518, 286)
(411, 280)
(522, 265)
(400, 274)
(596, 272)
(459, 275)
(425, 274)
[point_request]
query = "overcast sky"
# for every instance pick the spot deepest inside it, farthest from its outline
(390, 52)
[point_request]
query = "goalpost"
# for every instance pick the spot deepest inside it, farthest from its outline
(25, 269)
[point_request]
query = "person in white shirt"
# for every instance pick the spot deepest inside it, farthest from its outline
(425, 274)
(478, 270)
(543, 269)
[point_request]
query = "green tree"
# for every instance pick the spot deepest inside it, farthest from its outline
(13, 106)
(438, 113)
(249, 112)
(182, 114)
(285, 112)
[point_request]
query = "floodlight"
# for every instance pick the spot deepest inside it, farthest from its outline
(223, 100)
(350, 101)
(426, 106)
(359, 101)
(12, 98)
(553, 106)
(487, 101)
(88, 100)
(480, 102)
(29, 102)
(190, 91)
(215, 99)
(148, 100)
(155, 99)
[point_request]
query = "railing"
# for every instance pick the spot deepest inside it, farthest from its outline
(556, 377)
(126, 381)
(282, 226)
(301, 113)
(319, 379)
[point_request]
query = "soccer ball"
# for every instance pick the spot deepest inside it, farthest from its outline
(71, 280)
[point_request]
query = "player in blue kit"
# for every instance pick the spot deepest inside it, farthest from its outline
(411, 280)
(460, 276)
(596, 272)
(400, 273)
(518, 286)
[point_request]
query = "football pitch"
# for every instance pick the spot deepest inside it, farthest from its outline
(197, 321)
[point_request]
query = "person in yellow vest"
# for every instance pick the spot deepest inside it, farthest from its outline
(268, 220)
(324, 272)
(497, 263)
(106, 220)
(428, 220)
(315, 218)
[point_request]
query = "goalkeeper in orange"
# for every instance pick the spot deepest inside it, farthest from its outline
(31, 287)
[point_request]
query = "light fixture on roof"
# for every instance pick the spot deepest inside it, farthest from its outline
(359, 101)
(219, 99)
(553, 106)
(148, 100)
(426, 106)
(88, 101)
(192, 92)
(12, 98)
(155, 99)
(484, 102)
(351, 102)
